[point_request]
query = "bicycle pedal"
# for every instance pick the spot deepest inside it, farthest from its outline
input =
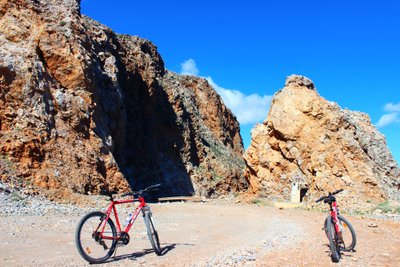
(104, 244)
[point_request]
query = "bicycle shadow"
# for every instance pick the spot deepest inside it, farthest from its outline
(343, 254)
(167, 249)
(137, 255)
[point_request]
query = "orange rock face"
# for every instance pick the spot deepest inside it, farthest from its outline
(82, 108)
(313, 142)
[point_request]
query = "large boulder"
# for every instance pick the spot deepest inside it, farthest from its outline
(310, 144)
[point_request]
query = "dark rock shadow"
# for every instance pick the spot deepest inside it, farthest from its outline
(134, 109)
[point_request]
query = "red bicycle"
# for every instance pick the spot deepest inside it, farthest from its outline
(97, 237)
(340, 232)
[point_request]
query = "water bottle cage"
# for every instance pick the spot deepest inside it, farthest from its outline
(128, 219)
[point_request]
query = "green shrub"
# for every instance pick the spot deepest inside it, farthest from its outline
(388, 206)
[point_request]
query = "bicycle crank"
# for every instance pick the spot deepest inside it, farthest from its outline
(124, 238)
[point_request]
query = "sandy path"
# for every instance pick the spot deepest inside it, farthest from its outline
(204, 234)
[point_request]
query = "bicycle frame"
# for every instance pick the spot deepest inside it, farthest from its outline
(334, 214)
(112, 208)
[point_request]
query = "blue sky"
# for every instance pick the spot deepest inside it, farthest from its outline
(350, 49)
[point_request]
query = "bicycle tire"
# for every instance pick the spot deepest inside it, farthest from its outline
(86, 243)
(151, 231)
(343, 224)
(333, 240)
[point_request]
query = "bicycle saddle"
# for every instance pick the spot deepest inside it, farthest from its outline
(106, 192)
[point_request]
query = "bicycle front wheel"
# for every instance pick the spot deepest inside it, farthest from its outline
(151, 231)
(333, 240)
(94, 244)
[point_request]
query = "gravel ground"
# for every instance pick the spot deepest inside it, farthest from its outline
(38, 232)
(18, 204)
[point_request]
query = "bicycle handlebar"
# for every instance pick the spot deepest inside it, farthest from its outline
(140, 192)
(337, 191)
(330, 194)
(152, 187)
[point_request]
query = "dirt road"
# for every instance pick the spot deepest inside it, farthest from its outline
(205, 234)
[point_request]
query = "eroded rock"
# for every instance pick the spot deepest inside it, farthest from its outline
(82, 108)
(314, 143)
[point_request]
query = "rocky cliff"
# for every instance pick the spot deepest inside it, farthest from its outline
(312, 143)
(83, 108)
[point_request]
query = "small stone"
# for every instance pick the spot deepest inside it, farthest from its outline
(377, 212)
(372, 225)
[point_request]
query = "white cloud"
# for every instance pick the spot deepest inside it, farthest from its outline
(392, 115)
(189, 67)
(248, 109)
(388, 119)
(390, 107)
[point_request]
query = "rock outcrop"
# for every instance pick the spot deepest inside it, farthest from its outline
(82, 108)
(312, 143)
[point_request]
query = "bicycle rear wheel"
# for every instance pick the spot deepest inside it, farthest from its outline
(333, 240)
(90, 244)
(348, 233)
(151, 231)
